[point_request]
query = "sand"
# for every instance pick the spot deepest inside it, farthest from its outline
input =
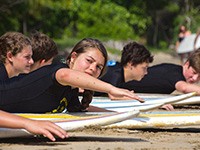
(170, 138)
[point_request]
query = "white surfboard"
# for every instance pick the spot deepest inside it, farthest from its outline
(187, 44)
(188, 101)
(160, 120)
(71, 124)
(121, 106)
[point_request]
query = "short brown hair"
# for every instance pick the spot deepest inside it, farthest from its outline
(194, 60)
(135, 53)
(43, 47)
(13, 42)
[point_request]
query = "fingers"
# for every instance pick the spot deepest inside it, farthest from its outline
(136, 97)
(139, 99)
(47, 128)
(167, 107)
(54, 129)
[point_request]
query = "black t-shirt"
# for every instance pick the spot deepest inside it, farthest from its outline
(36, 92)
(160, 79)
(114, 75)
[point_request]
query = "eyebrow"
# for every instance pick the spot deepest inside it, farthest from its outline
(95, 60)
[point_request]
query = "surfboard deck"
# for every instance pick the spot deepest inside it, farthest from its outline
(160, 119)
(187, 45)
(71, 122)
(121, 106)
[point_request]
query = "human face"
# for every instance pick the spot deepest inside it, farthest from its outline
(22, 61)
(139, 71)
(90, 62)
(190, 74)
(183, 29)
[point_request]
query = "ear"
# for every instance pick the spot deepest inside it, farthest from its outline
(42, 61)
(186, 64)
(73, 57)
(130, 64)
(9, 56)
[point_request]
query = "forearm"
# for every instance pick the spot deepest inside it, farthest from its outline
(8, 120)
(82, 80)
(97, 109)
(187, 87)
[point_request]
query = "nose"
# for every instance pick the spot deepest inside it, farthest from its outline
(31, 61)
(146, 72)
(93, 67)
(195, 77)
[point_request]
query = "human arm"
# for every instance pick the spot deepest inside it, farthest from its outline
(177, 45)
(97, 109)
(167, 107)
(46, 128)
(126, 98)
(185, 87)
(74, 78)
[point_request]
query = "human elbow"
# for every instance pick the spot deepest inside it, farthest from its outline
(62, 76)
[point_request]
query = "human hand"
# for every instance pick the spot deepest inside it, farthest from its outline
(124, 94)
(47, 128)
(167, 107)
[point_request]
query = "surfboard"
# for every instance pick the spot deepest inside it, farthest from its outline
(160, 119)
(72, 122)
(121, 106)
(187, 44)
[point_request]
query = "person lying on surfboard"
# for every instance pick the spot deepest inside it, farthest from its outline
(15, 55)
(135, 60)
(166, 78)
(47, 128)
(53, 88)
(18, 59)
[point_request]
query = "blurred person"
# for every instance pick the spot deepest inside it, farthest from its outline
(183, 32)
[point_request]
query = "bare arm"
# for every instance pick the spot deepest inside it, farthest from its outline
(177, 45)
(46, 128)
(97, 109)
(126, 98)
(78, 79)
(185, 87)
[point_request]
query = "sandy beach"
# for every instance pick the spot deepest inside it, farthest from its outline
(170, 138)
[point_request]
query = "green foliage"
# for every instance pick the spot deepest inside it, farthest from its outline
(114, 51)
(66, 42)
(155, 22)
(103, 20)
(162, 45)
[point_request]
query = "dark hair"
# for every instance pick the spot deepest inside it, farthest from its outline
(194, 60)
(43, 47)
(13, 42)
(135, 53)
(86, 43)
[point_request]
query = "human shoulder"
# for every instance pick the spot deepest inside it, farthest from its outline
(164, 66)
(3, 72)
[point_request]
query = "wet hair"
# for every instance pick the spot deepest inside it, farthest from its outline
(194, 60)
(82, 47)
(86, 43)
(13, 42)
(135, 53)
(43, 47)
